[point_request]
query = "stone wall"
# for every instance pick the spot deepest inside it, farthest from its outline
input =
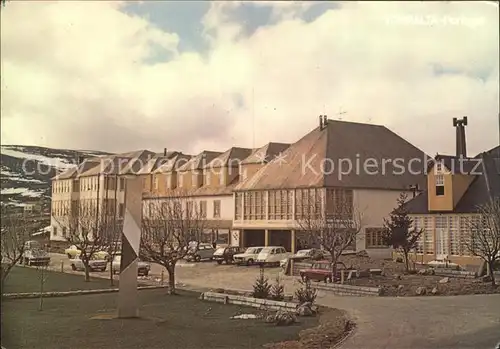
(247, 301)
(455, 273)
(348, 290)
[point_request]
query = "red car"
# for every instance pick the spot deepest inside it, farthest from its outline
(322, 271)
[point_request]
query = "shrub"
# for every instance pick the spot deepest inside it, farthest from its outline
(261, 287)
(277, 292)
(306, 294)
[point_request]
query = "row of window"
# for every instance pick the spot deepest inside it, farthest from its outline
(197, 180)
(61, 186)
(201, 209)
(444, 235)
(86, 207)
(87, 184)
(279, 204)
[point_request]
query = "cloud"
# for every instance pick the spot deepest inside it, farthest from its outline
(79, 75)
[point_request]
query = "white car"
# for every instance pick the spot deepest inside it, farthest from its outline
(95, 264)
(272, 255)
(249, 257)
(143, 268)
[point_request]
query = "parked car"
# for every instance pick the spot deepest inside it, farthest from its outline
(272, 255)
(95, 264)
(315, 254)
(143, 268)
(73, 251)
(248, 257)
(226, 254)
(322, 271)
(204, 252)
(34, 254)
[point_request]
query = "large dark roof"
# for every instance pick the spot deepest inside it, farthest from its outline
(199, 161)
(265, 154)
(307, 163)
(484, 186)
(231, 157)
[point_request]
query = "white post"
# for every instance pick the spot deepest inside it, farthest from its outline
(131, 238)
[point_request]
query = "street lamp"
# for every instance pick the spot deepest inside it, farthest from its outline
(131, 237)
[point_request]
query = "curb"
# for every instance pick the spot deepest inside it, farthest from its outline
(71, 293)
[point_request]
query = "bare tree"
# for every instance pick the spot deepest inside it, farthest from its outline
(336, 229)
(112, 243)
(87, 232)
(398, 231)
(484, 241)
(15, 231)
(170, 227)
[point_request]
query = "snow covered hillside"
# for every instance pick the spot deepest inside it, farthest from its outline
(26, 171)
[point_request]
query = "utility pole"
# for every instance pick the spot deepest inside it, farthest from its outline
(97, 209)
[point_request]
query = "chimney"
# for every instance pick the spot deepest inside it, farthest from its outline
(325, 121)
(164, 151)
(321, 122)
(461, 147)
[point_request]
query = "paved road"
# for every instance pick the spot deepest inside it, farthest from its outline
(468, 322)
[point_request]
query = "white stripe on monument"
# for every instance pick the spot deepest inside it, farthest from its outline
(131, 231)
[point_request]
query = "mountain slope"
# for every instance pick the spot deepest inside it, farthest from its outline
(26, 171)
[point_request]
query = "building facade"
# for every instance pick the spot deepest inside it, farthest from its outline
(456, 187)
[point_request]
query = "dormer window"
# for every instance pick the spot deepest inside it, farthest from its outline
(439, 167)
(439, 185)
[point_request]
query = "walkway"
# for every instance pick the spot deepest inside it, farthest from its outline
(456, 322)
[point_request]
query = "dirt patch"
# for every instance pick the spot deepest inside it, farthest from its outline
(334, 326)
(395, 282)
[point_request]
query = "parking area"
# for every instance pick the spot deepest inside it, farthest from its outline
(201, 274)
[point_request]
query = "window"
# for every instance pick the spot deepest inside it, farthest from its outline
(439, 167)
(203, 209)
(120, 210)
(64, 232)
(280, 204)
(442, 235)
(122, 184)
(439, 185)
(375, 238)
(428, 235)
(155, 182)
(181, 180)
(454, 233)
(216, 208)
(54, 231)
(417, 225)
(238, 200)
(208, 178)
(254, 207)
(189, 208)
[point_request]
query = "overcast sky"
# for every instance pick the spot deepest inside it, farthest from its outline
(121, 76)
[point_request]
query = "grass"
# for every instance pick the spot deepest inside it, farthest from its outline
(23, 279)
(180, 322)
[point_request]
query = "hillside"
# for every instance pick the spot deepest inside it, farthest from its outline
(26, 171)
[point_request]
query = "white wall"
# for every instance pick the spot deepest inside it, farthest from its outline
(375, 205)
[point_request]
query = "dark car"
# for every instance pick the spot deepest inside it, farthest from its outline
(226, 254)
(322, 271)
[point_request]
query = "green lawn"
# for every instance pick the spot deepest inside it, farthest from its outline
(177, 322)
(23, 279)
